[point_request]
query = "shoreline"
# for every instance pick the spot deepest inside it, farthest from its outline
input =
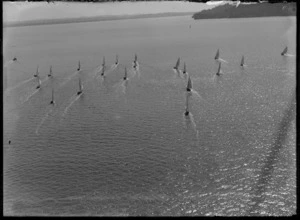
(248, 11)
(92, 19)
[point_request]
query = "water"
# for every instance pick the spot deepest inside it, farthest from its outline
(127, 148)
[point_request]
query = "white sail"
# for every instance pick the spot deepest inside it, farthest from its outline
(284, 51)
(189, 84)
(177, 63)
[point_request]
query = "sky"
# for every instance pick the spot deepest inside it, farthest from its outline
(24, 11)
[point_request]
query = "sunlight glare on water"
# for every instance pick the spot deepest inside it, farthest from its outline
(125, 148)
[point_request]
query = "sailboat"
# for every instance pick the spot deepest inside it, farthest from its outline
(37, 72)
(103, 66)
(135, 60)
(284, 52)
(52, 100)
(177, 64)
(189, 85)
(125, 76)
(39, 83)
(78, 66)
(184, 68)
(242, 61)
(219, 70)
(80, 87)
(117, 60)
(187, 107)
(15, 59)
(103, 62)
(50, 72)
(217, 55)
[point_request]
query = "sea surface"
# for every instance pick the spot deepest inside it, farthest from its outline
(125, 148)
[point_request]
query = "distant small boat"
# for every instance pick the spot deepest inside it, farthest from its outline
(117, 60)
(37, 72)
(52, 100)
(125, 76)
(189, 85)
(80, 87)
(50, 72)
(242, 61)
(177, 64)
(103, 62)
(15, 59)
(135, 58)
(39, 83)
(135, 61)
(284, 52)
(219, 70)
(217, 55)
(184, 68)
(187, 107)
(78, 66)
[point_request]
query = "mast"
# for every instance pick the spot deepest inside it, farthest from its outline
(50, 73)
(37, 71)
(103, 62)
(219, 69)
(52, 100)
(78, 65)
(125, 77)
(117, 60)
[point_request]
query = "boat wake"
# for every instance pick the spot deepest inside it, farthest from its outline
(136, 70)
(99, 69)
(8, 63)
(189, 118)
(289, 55)
(113, 67)
(194, 92)
(18, 85)
(44, 119)
(221, 60)
(69, 78)
(73, 99)
(30, 96)
(177, 73)
(121, 86)
(190, 122)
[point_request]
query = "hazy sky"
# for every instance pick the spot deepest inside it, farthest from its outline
(21, 11)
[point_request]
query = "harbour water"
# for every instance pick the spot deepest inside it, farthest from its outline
(126, 148)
